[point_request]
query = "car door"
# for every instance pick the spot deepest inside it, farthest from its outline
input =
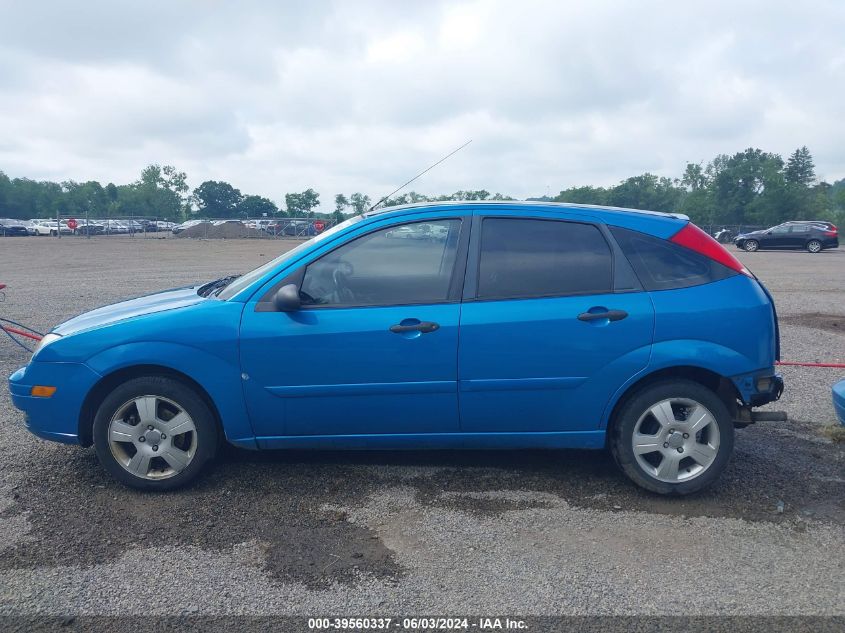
(553, 323)
(798, 235)
(777, 237)
(373, 348)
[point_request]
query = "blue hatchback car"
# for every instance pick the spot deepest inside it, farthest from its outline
(485, 326)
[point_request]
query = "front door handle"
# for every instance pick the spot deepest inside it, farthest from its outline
(423, 326)
(610, 315)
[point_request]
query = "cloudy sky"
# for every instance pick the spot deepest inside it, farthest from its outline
(359, 96)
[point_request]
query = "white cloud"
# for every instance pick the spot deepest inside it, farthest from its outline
(345, 96)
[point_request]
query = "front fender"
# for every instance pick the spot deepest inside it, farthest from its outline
(220, 379)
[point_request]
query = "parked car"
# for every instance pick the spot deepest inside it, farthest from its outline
(579, 327)
(30, 227)
(790, 235)
(11, 228)
(114, 227)
(49, 227)
(839, 401)
(258, 225)
(89, 228)
(291, 228)
(186, 225)
(164, 225)
(133, 226)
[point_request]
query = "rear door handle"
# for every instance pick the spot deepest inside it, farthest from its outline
(610, 315)
(423, 326)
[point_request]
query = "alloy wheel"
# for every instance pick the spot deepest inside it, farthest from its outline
(676, 440)
(152, 437)
(814, 246)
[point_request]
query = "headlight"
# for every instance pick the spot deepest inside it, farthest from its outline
(45, 341)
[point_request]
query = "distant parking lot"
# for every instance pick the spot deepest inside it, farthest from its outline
(518, 532)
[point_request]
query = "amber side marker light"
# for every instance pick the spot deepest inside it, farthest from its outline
(42, 391)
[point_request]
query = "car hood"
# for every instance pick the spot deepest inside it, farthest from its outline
(149, 304)
(751, 233)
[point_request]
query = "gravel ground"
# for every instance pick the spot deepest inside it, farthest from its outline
(518, 532)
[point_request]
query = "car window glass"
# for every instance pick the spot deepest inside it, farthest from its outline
(662, 265)
(405, 264)
(534, 258)
(781, 229)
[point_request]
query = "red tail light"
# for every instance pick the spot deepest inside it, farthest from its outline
(695, 239)
(831, 233)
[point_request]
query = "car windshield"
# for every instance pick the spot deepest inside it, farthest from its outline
(245, 280)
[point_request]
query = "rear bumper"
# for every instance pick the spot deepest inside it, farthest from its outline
(759, 387)
(55, 418)
(839, 401)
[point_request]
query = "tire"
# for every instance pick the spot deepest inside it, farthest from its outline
(162, 460)
(751, 246)
(814, 246)
(696, 461)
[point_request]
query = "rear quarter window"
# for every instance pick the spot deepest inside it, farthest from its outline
(662, 265)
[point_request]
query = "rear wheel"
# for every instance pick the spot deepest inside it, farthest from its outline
(814, 246)
(751, 245)
(673, 437)
(154, 433)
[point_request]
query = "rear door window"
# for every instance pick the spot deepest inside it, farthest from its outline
(662, 265)
(523, 258)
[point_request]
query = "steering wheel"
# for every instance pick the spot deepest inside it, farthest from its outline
(340, 275)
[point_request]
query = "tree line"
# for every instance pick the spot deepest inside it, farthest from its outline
(749, 187)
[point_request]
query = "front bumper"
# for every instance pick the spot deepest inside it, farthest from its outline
(55, 418)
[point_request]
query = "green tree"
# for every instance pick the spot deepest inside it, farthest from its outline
(340, 205)
(301, 205)
(583, 195)
(360, 203)
(739, 180)
(800, 170)
(256, 207)
(217, 199)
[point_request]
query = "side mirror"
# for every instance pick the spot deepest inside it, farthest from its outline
(287, 298)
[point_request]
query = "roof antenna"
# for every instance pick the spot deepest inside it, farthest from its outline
(452, 153)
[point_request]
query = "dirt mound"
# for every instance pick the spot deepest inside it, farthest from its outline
(227, 231)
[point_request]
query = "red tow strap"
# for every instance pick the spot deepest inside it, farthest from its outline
(14, 330)
(787, 362)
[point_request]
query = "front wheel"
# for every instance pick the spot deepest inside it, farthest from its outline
(751, 245)
(814, 246)
(154, 433)
(673, 437)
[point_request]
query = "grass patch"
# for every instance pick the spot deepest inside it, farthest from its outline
(835, 432)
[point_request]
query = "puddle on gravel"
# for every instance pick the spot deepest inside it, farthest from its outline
(284, 500)
(80, 517)
(818, 321)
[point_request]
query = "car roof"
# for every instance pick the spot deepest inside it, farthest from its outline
(523, 205)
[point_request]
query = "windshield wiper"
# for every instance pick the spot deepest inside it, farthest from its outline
(213, 287)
